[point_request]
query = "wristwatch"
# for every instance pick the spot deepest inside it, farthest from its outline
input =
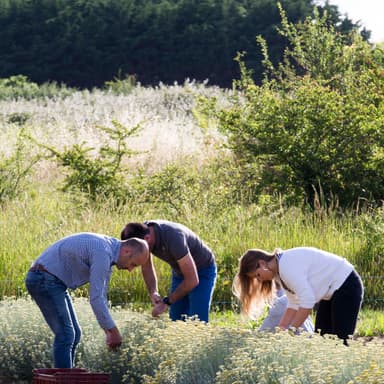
(166, 300)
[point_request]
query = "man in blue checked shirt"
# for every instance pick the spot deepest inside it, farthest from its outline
(69, 263)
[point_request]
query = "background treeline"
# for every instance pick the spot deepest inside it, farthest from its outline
(296, 160)
(84, 43)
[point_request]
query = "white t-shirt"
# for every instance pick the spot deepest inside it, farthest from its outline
(312, 274)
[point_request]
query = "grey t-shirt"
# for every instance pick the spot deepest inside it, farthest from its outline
(174, 241)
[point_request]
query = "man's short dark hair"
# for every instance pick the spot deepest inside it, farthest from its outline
(134, 230)
(137, 245)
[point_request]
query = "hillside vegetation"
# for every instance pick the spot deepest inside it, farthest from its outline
(298, 160)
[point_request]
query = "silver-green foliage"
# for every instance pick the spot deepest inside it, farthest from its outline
(161, 351)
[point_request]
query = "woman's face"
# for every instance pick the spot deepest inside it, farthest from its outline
(262, 272)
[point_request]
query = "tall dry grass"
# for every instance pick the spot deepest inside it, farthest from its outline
(169, 130)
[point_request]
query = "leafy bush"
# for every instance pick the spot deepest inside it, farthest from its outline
(16, 168)
(101, 176)
(317, 119)
(16, 87)
(19, 118)
(120, 86)
(19, 86)
(184, 186)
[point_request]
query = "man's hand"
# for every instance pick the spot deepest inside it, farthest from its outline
(113, 338)
(155, 298)
(159, 309)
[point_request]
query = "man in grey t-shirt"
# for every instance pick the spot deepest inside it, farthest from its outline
(193, 266)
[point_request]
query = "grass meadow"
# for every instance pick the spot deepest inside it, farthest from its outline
(229, 349)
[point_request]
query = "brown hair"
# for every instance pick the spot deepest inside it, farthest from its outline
(253, 294)
(137, 245)
(134, 229)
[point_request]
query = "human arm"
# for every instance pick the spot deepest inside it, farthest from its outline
(99, 278)
(190, 281)
(299, 304)
(99, 305)
(150, 278)
(300, 316)
(294, 318)
(287, 317)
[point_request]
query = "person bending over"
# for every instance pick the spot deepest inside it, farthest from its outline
(276, 312)
(308, 276)
(69, 263)
(193, 267)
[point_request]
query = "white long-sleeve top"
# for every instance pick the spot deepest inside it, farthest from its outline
(312, 274)
(276, 312)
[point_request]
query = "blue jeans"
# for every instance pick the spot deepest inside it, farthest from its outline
(55, 303)
(198, 301)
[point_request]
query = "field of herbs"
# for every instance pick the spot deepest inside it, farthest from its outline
(161, 351)
(178, 169)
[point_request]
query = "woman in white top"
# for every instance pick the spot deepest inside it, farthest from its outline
(308, 276)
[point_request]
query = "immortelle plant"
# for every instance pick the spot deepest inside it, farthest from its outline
(196, 353)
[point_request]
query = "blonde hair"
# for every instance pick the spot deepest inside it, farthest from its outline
(253, 294)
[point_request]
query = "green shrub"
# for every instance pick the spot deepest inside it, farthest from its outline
(19, 118)
(184, 186)
(19, 86)
(121, 86)
(16, 168)
(100, 176)
(319, 126)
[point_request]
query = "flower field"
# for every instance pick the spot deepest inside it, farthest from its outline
(161, 351)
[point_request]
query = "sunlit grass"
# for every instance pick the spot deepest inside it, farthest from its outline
(45, 215)
(169, 129)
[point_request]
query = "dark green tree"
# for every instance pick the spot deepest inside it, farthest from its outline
(85, 43)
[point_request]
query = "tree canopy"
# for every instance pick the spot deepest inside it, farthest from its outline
(86, 43)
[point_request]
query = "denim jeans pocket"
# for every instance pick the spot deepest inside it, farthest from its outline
(43, 282)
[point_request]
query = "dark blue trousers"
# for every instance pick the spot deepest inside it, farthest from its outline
(338, 316)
